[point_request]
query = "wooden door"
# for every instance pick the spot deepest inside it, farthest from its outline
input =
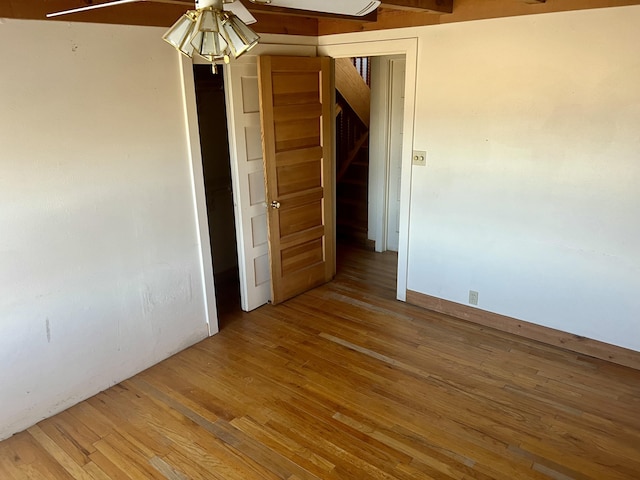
(297, 143)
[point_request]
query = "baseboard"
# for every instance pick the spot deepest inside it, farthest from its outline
(550, 336)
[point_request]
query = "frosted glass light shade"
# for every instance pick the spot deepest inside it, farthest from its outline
(210, 45)
(239, 37)
(207, 41)
(207, 21)
(179, 35)
(211, 33)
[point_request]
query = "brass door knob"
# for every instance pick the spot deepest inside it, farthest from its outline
(275, 204)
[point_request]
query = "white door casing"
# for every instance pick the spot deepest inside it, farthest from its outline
(199, 197)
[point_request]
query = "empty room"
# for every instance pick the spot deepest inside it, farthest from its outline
(311, 240)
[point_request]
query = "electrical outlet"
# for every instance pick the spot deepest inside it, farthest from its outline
(420, 158)
(473, 297)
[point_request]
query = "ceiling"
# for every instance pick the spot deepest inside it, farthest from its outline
(391, 14)
(270, 19)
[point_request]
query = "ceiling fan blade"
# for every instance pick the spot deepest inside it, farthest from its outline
(354, 8)
(240, 11)
(90, 7)
(113, 3)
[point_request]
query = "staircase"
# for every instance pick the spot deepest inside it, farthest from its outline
(353, 99)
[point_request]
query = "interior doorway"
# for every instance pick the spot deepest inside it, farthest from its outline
(214, 145)
(369, 154)
(241, 85)
(372, 46)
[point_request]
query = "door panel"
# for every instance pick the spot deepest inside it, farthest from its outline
(294, 178)
(297, 134)
(295, 101)
(301, 219)
(243, 109)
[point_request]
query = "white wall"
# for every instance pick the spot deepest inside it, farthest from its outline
(530, 195)
(99, 256)
(532, 192)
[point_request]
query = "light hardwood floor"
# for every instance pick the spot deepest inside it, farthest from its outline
(345, 382)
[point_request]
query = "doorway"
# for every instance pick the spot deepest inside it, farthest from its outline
(214, 146)
(373, 47)
(244, 127)
(369, 154)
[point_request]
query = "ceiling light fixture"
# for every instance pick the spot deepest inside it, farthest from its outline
(211, 32)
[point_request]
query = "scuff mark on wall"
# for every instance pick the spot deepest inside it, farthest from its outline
(148, 301)
(180, 290)
(48, 329)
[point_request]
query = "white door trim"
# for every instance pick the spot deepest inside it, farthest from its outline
(408, 47)
(199, 198)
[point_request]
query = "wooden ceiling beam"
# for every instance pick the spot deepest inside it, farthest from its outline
(6, 10)
(142, 13)
(431, 6)
(285, 24)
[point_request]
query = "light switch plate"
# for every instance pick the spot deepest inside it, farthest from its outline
(420, 158)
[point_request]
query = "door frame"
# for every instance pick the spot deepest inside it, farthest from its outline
(336, 48)
(199, 198)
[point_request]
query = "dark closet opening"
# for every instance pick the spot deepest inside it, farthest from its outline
(214, 145)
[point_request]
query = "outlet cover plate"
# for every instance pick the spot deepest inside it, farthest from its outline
(420, 158)
(473, 297)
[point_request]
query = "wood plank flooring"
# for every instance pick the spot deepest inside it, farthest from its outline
(344, 382)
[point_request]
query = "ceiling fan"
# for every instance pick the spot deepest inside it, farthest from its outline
(217, 29)
(355, 8)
